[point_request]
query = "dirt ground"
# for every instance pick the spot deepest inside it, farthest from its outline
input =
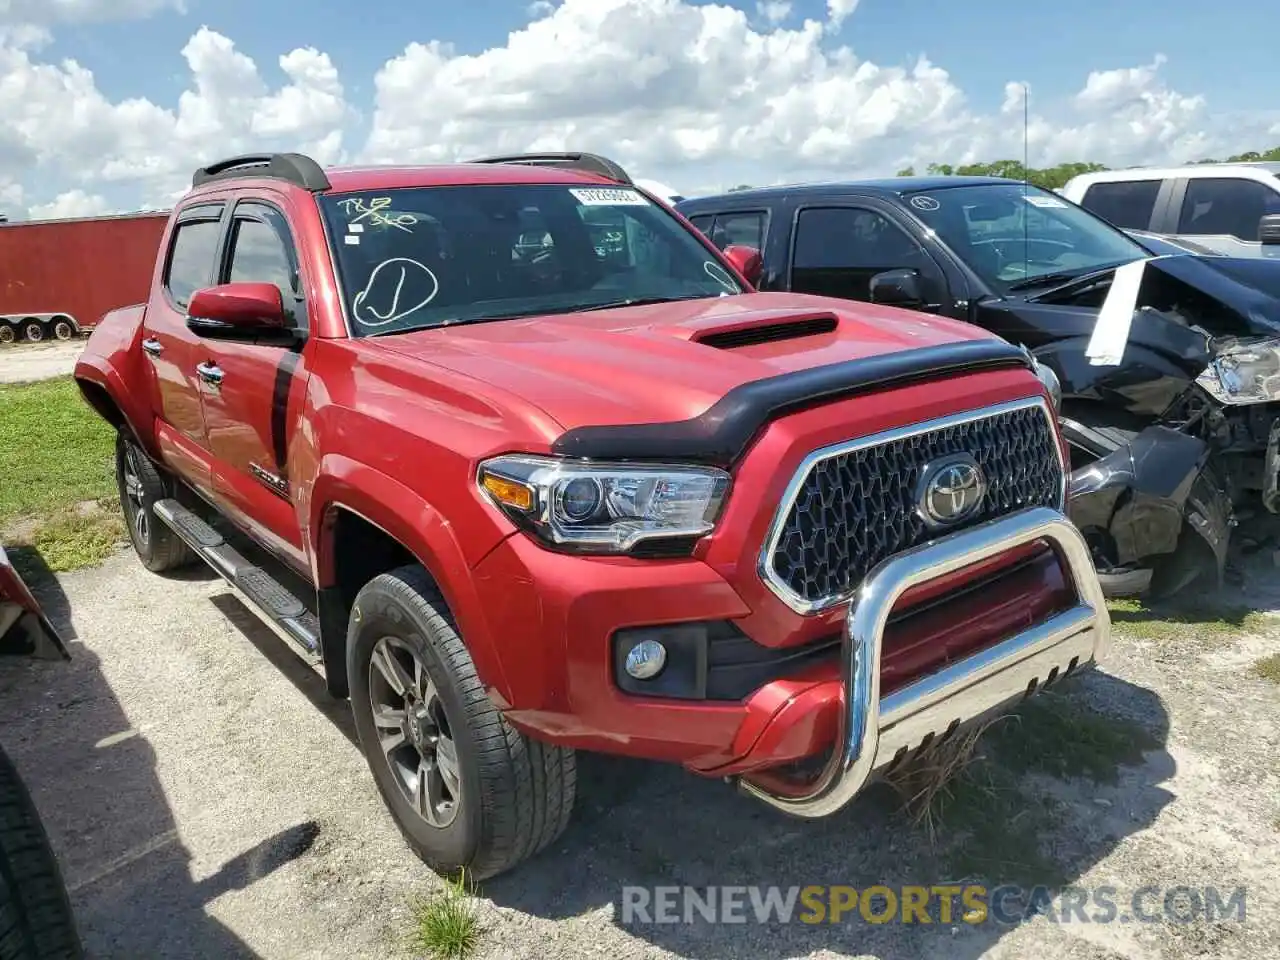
(24, 362)
(206, 799)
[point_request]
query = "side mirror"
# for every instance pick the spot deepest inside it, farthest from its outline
(1269, 229)
(747, 260)
(897, 288)
(239, 311)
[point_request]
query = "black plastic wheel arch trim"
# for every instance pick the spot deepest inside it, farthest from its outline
(722, 433)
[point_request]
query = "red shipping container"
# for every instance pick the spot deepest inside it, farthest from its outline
(76, 268)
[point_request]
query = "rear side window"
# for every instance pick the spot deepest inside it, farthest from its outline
(1127, 203)
(703, 222)
(191, 263)
(1226, 206)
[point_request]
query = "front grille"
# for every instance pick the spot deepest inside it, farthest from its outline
(856, 505)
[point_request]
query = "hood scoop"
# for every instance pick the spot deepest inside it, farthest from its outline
(749, 335)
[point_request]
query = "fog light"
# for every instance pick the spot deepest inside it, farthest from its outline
(646, 659)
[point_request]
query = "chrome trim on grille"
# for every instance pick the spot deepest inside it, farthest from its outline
(764, 564)
(873, 732)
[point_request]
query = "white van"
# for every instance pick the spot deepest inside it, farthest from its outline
(1233, 208)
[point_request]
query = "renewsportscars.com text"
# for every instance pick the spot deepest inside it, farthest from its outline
(939, 903)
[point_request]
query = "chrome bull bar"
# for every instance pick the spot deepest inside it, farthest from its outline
(873, 732)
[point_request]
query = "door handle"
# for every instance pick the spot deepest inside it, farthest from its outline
(209, 373)
(153, 346)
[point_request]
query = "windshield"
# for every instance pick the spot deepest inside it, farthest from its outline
(432, 256)
(1016, 236)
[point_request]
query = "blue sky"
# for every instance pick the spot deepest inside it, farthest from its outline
(680, 90)
(1053, 46)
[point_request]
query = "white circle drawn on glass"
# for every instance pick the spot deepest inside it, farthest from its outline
(719, 275)
(359, 305)
(925, 203)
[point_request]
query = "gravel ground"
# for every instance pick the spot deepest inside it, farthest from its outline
(24, 362)
(207, 800)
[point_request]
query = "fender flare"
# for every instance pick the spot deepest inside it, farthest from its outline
(103, 375)
(402, 514)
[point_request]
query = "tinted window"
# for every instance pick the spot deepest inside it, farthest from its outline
(1226, 206)
(1126, 204)
(427, 257)
(191, 263)
(258, 255)
(839, 250)
(739, 228)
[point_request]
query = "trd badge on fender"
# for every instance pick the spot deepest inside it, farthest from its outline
(950, 490)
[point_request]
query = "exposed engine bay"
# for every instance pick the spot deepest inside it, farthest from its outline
(1171, 406)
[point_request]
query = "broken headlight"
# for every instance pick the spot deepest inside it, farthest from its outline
(1244, 373)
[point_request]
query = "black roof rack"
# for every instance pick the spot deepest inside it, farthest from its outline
(587, 162)
(296, 168)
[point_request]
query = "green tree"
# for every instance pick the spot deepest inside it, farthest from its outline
(1052, 178)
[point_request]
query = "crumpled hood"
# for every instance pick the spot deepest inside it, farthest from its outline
(645, 363)
(1247, 288)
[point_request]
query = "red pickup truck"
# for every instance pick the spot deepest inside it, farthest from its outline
(526, 466)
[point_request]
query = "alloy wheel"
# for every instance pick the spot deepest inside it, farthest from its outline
(135, 504)
(414, 733)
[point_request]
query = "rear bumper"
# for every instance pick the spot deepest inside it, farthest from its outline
(873, 732)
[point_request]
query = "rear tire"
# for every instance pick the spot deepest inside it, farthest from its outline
(36, 922)
(7, 334)
(62, 329)
(511, 796)
(33, 330)
(140, 486)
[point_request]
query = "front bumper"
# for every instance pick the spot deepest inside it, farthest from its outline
(872, 733)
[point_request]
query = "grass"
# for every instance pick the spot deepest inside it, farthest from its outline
(445, 924)
(968, 793)
(58, 456)
(1198, 617)
(1268, 668)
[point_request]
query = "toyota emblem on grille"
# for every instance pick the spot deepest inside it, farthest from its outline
(951, 489)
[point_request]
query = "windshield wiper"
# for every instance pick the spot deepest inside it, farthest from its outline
(639, 302)
(1065, 276)
(1043, 279)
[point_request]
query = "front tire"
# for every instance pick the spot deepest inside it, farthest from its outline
(467, 790)
(140, 486)
(36, 922)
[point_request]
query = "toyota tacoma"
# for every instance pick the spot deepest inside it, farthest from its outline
(521, 462)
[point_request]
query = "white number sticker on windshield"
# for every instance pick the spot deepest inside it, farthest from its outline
(1045, 201)
(607, 197)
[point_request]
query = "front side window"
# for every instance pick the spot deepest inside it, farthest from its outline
(420, 257)
(1226, 206)
(839, 249)
(1015, 236)
(258, 255)
(1125, 203)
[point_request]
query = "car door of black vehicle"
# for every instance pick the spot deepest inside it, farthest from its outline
(836, 248)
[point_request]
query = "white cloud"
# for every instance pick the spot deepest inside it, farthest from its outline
(775, 11)
(700, 95)
(73, 203)
(841, 10)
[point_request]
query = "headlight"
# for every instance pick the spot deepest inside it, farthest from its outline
(601, 507)
(1244, 373)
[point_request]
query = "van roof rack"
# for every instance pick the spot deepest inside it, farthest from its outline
(295, 168)
(586, 162)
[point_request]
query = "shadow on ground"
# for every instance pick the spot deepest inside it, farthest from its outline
(124, 863)
(646, 825)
